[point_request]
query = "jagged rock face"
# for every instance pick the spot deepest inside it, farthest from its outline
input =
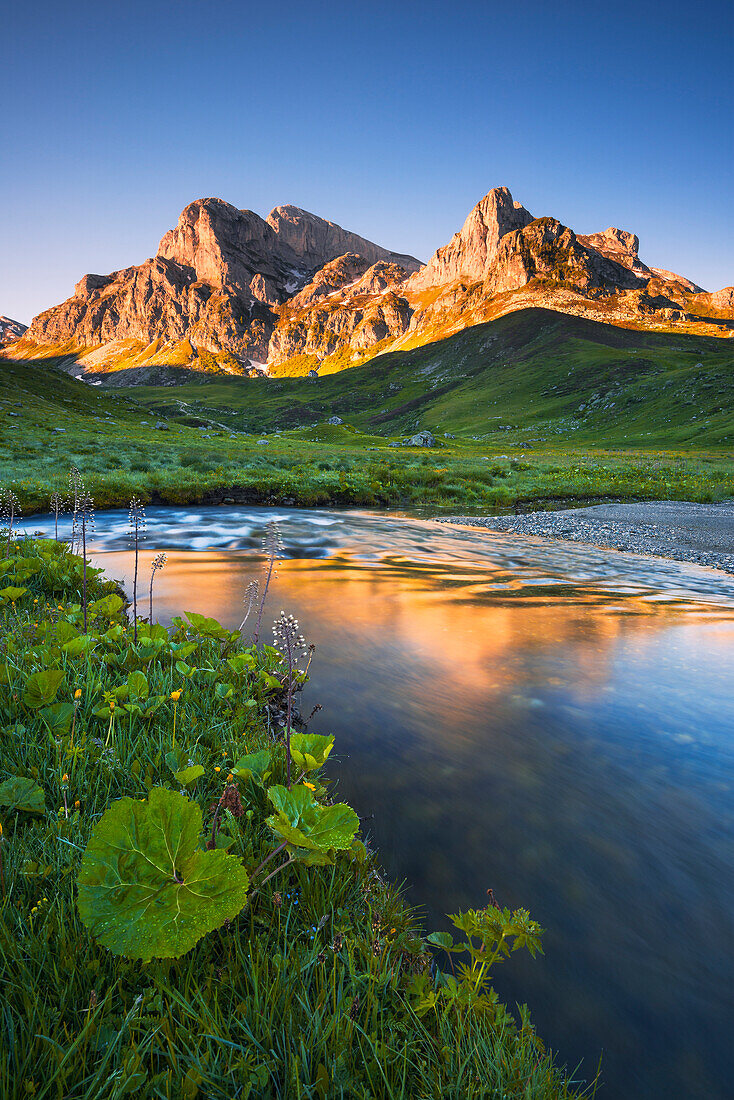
(333, 277)
(316, 241)
(722, 300)
(159, 300)
(215, 280)
(326, 326)
(11, 330)
(471, 252)
(545, 249)
(228, 282)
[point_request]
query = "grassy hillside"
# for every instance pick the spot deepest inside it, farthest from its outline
(535, 406)
(562, 377)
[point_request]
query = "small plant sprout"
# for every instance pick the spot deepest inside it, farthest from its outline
(272, 545)
(249, 599)
(137, 523)
(57, 505)
(291, 645)
(158, 562)
(84, 520)
(9, 512)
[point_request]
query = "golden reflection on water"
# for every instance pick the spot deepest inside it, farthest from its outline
(567, 744)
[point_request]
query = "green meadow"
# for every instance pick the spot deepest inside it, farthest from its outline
(534, 408)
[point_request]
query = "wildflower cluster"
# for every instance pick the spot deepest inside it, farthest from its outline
(287, 638)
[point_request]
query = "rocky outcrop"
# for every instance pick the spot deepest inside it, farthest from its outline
(720, 301)
(547, 250)
(11, 330)
(316, 241)
(335, 276)
(471, 252)
(216, 280)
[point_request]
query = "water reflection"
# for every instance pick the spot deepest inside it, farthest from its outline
(555, 724)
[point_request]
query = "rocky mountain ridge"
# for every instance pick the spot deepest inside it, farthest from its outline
(292, 293)
(11, 330)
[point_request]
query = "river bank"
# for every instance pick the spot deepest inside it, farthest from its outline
(188, 727)
(681, 530)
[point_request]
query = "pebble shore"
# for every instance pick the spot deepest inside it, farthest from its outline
(700, 533)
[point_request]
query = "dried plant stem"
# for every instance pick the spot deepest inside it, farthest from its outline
(135, 587)
(84, 567)
(256, 634)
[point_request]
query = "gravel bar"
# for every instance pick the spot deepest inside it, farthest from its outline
(700, 533)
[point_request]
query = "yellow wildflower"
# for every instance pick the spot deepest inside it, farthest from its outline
(230, 777)
(77, 804)
(112, 704)
(175, 695)
(310, 786)
(217, 769)
(64, 778)
(78, 693)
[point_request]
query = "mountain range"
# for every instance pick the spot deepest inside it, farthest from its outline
(229, 291)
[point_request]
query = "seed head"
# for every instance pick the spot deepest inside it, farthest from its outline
(287, 638)
(272, 542)
(159, 561)
(136, 518)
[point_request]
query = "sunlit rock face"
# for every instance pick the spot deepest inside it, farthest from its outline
(215, 280)
(293, 289)
(11, 330)
(470, 252)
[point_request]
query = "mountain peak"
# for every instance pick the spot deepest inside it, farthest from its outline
(471, 252)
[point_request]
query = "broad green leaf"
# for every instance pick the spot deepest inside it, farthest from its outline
(76, 646)
(241, 663)
(65, 632)
(310, 750)
(108, 606)
(189, 775)
(302, 822)
(58, 716)
(137, 686)
(41, 687)
(206, 627)
(22, 794)
(257, 765)
(7, 595)
(146, 888)
(440, 939)
(223, 690)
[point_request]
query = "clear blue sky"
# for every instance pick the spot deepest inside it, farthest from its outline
(392, 119)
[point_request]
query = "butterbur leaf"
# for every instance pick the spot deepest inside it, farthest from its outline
(206, 627)
(41, 687)
(303, 823)
(440, 939)
(76, 646)
(108, 606)
(22, 794)
(7, 595)
(187, 776)
(257, 766)
(241, 663)
(137, 686)
(146, 888)
(310, 750)
(58, 717)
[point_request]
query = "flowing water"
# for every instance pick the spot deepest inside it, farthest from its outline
(554, 723)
